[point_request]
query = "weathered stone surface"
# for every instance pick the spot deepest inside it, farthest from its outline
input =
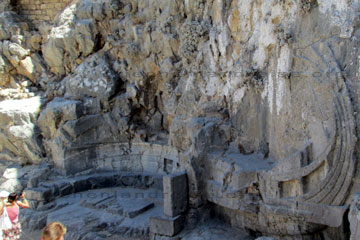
(63, 187)
(354, 218)
(38, 194)
(19, 136)
(103, 224)
(57, 111)
(12, 185)
(74, 37)
(175, 194)
(18, 58)
(156, 237)
(139, 157)
(120, 205)
(32, 67)
(4, 5)
(166, 225)
(314, 213)
(93, 78)
(16, 178)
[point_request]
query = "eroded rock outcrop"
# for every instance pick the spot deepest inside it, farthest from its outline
(19, 51)
(21, 139)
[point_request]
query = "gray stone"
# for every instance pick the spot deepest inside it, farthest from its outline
(4, 5)
(58, 110)
(16, 49)
(38, 194)
(19, 136)
(175, 194)
(136, 210)
(126, 208)
(122, 107)
(315, 213)
(37, 222)
(93, 78)
(91, 105)
(166, 226)
(65, 44)
(157, 237)
(354, 217)
(12, 185)
(32, 67)
(265, 238)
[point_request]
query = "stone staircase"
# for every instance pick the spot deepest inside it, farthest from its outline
(48, 191)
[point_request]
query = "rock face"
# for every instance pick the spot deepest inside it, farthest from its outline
(257, 101)
(4, 5)
(21, 139)
(354, 218)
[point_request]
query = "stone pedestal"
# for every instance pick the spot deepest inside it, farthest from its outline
(175, 194)
(166, 226)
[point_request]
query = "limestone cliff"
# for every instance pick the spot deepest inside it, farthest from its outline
(256, 100)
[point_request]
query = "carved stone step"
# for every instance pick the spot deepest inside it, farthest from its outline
(310, 212)
(128, 203)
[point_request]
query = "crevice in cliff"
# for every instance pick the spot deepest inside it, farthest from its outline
(346, 225)
(99, 42)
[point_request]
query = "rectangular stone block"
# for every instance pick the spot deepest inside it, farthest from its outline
(323, 214)
(38, 194)
(166, 226)
(159, 237)
(175, 194)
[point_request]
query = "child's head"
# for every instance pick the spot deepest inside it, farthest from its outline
(54, 231)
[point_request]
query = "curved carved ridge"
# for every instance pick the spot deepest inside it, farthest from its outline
(328, 185)
(332, 190)
(343, 184)
(343, 161)
(300, 172)
(333, 187)
(332, 173)
(312, 190)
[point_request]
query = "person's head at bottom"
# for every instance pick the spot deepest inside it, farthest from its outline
(54, 231)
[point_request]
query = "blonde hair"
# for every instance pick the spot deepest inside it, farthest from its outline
(53, 231)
